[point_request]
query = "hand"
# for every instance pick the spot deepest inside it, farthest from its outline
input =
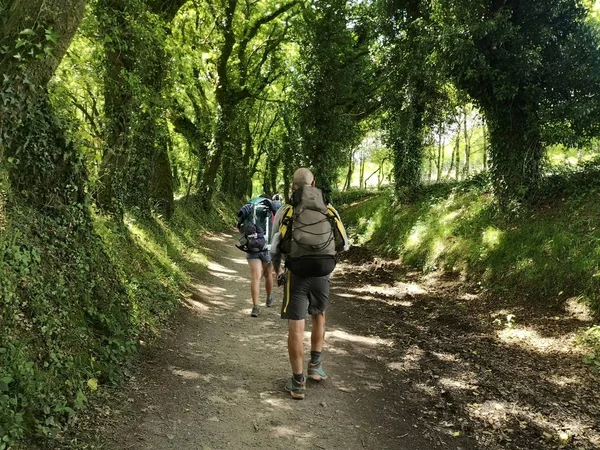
(281, 279)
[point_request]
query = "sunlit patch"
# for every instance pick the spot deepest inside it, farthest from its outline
(197, 306)
(562, 381)
(185, 374)
(398, 289)
(221, 237)
(437, 248)
(416, 236)
(492, 411)
(411, 360)
(491, 237)
(450, 217)
(448, 357)
(197, 258)
(216, 267)
(464, 381)
(282, 431)
(530, 338)
(270, 398)
(469, 297)
(356, 297)
(338, 351)
(373, 341)
(578, 309)
(425, 389)
(239, 260)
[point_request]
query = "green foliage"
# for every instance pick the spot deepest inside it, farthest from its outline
(77, 300)
(549, 253)
(335, 84)
(515, 61)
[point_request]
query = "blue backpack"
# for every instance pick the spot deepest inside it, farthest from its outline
(254, 225)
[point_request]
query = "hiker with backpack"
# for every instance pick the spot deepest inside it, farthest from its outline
(255, 220)
(307, 234)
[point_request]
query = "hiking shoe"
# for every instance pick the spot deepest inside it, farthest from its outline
(270, 300)
(316, 372)
(296, 388)
(255, 311)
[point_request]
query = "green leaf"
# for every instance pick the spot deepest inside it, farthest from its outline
(4, 382)
(28, 32)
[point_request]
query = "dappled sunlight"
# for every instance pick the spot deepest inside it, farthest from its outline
(217, 237)
(411, 361)
(242, 261)
(576, 308)
(196, 258)
(347, 294)
(450, 217)
(282, 431)
(372, 341)
(197, 306)
(416, 235)
(216, 267)
(185, 374)
(562, 381)
(493, 412)
(274, 400)
(462, 381)
(447, 357)
(426, 389)
(338, 351)
(498, 415)
(397, 289)
(491, 237)
(530, 339)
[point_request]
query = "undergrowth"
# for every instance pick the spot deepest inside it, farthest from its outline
(546, 251)
(78, 294)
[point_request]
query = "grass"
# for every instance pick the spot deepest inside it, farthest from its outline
(547, 253)
(78, 294)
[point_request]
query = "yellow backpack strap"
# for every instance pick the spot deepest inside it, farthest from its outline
(285, 221)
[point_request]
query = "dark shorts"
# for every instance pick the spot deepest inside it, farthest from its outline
(265, 256)
(302, 295)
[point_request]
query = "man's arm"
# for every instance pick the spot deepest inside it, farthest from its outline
(276, 255)
(340, 227)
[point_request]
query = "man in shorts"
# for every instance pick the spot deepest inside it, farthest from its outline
(302, 295)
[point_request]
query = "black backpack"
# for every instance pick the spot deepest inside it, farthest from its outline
(254, 225)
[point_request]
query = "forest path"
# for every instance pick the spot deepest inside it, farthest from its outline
(415, 362)
(216, 381)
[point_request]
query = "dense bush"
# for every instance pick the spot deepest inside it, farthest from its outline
(76, 300)
(548, 251)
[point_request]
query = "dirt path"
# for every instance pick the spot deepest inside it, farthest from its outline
(216, 381)
(414, 363)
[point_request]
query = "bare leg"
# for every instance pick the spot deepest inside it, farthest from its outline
(296, 345)
(268, 271)
(255, 275)
(317, 335)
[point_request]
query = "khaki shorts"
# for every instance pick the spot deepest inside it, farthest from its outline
(304, 294)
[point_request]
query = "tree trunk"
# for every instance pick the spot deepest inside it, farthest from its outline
(45, 169)
(516, 151)
(350, 172)
(457, 155)
(440, 158)
(466, 168)
(485, 145)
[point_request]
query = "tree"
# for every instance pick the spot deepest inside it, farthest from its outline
(335, 88)
(414, 88)
(135, 167)
(34, 36)
(516, 60)
(246, 63)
